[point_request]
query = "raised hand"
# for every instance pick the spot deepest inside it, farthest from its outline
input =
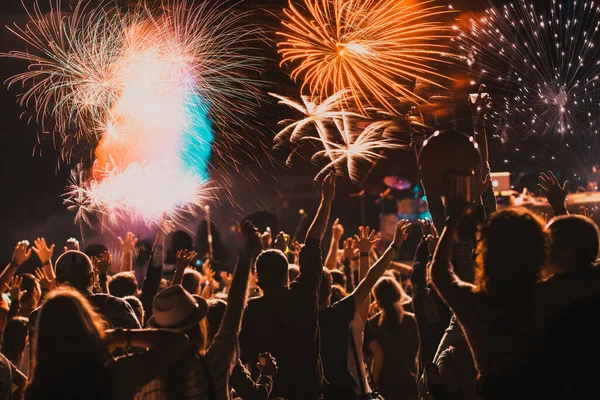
(42, 250)
(295, 251)
(72, 244)
(128, 244)
(545, 217)
(252, 238)
(281, 241)
(21, 252)
(46, 282)
(430, 234)
(337, 229)
(104, 262)
(366, 240)
(267, 365)
(225, 278)
(401, 232)
(349, 247)
(266, 239)
(555, 193)
(328, 187)
(14, 288)
(184, 258)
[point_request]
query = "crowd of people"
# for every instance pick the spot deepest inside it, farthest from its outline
(499, 305)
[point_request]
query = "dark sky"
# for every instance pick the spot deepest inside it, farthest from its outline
(32, 184)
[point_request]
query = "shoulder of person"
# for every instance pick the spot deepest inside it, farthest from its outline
(346, 303)
(374, 320)
(110, 300)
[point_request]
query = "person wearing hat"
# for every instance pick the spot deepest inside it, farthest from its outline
(202, 372)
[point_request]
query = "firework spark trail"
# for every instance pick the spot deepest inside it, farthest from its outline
(375, 49)
(544, 56)
(344, 145)
(366, 146)
(145, 84)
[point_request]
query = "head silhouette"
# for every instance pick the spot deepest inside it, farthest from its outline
(511, 252)
(575, 243)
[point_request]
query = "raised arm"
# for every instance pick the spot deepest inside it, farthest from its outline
(155, 266)
(44, 253)
(184, 259)
(479, 110)
(337, 230)
(127, 249)
(361, 293)
(319, 224)
(20, 255)
(365, 242)
(555, 192)
(236, 300)
(447, 283)
(347, 257)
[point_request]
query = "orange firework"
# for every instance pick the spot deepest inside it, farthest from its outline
(375, 49)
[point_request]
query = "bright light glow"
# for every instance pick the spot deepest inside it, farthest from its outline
(142, 86)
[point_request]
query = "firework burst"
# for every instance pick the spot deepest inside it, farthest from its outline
(344, 143)
(78, 61)
(374, 49)
(146, 87)
(542, 58)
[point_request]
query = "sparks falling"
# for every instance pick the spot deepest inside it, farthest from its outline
(146, 88)
(373, 49)
(340, 140)
(543, 58)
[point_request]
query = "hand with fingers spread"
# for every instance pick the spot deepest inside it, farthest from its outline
(281, 241)
(42, 250)
(21, 253)
(295, 251)
(555, 193)
(225, 278)
(366, 240)
(128, 244)
(14, 288)
(266, 239)
(104, 262)
(267, 365)
(184, 259)
(430, 234)
(337, 230)
(349, 247)
(47, 283)
(401, 233)
(72, 244)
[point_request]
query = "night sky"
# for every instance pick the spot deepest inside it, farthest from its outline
(32, 184)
